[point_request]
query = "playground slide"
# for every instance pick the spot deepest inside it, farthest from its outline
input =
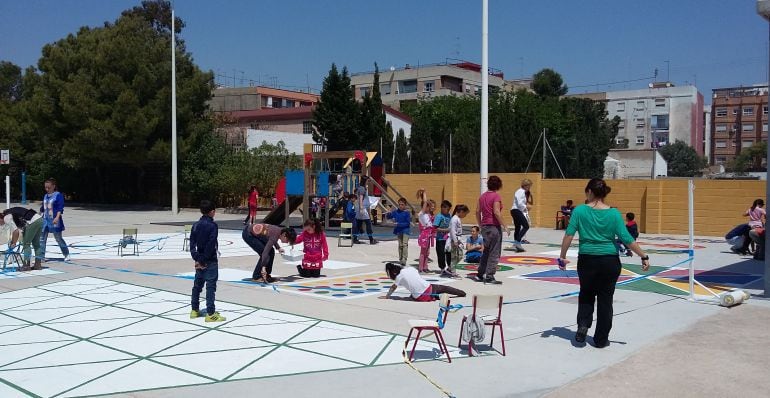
(277, 215)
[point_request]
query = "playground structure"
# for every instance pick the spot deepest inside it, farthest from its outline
(318, 180)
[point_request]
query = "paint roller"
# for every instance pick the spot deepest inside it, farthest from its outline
(733, 297)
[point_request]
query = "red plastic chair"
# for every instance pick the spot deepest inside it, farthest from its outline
(485, 302)
(431, 325)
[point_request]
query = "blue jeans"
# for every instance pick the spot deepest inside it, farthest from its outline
(57, 235)
(258, 244)
(358, 228)
(208, 276)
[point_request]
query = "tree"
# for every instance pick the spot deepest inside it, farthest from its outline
(101, 104)
(10, 81)
(682, 160)
(388, 147)
(750, 158)
(336, 118)
(401, 154)
(548, 83)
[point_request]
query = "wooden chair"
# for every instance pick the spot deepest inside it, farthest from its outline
(485, 302)
(434, 326)
(130, 238)
(346, 232)
(186, 242)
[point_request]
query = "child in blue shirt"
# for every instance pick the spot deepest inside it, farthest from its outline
(403, 219)
(441, 223)
(474, 246)
(350, 208)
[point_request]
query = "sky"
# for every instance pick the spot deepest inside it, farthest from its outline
(596, 45)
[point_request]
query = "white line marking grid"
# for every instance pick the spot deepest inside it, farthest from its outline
(91, 336)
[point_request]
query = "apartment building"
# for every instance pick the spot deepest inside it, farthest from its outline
(227, 99)
(654, 116)
(738, 121)
(400, 86)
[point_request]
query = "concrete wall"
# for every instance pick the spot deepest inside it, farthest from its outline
(294, 142)
(660, 205)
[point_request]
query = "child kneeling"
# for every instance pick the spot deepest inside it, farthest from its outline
(419, 288)
(316, 249)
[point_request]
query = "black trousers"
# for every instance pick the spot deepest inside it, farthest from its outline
(440, 253)
(598, 276)
(521, 223)
(439, 289)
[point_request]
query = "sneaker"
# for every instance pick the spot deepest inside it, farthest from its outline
(629, 253)
(194, 314)
(477, 278)
(215, 317)
(580, 335)
(356, 241)
(270, 279)
(446, 274)
(525, 241)
(67, 258)
(373, 241)
(492, 281)
(518, 248)
(601, 343)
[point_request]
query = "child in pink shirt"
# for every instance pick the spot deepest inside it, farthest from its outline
(316, 249)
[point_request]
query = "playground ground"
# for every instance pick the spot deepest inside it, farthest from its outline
(110, 325)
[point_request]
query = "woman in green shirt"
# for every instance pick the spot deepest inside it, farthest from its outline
(598, 263)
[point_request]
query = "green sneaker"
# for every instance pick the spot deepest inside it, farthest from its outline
(215, 317)
(194, 314)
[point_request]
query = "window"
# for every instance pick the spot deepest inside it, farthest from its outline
(764, 128)
(427, 87)
(363, 91)
(639, 140)
(622, 124)
(721, 144)
(748, 111)
(747, 144)
(721, 128)
(735, 111)
(720, 160)
(385, 89)
(764, 110)
(640, 123)
(747, 127)
(660, 102)
(659, 122)
(721, 112)
(407, 86)
(307, 127)
(289, 103)
(621, 106)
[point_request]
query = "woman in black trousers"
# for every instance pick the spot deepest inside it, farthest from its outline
(598, 263)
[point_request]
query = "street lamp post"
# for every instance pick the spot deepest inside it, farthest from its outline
(763, 9)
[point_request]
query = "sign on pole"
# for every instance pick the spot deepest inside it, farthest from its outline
(5, 156)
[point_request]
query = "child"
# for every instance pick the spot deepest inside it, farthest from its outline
(20, 222)
(633, 230)
(474, 246)
(419, 289)
(350, 209)
(203, 249)
(425, 239)
(262, 238)
(455, 240)
(403, 219)
(441, 226)
(316, 250)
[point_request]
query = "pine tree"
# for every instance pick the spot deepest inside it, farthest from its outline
(374, 126)
(336, 117)
(401, 154)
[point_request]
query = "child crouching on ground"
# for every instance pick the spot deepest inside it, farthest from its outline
(419, 289)
(203, 249)
(455, 244)
(403, 219)
(474, 246)
(316, 250)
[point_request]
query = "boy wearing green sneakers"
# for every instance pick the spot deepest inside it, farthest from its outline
(203, 249)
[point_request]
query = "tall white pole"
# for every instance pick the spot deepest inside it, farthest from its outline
(691, 224)
(7, 192)
(174, 182)
(484, 167)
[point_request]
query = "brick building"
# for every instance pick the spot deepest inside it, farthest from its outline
(738, 121)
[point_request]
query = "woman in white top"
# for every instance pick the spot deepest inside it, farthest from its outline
(519, 213)
(757, 216)
(419, 289)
